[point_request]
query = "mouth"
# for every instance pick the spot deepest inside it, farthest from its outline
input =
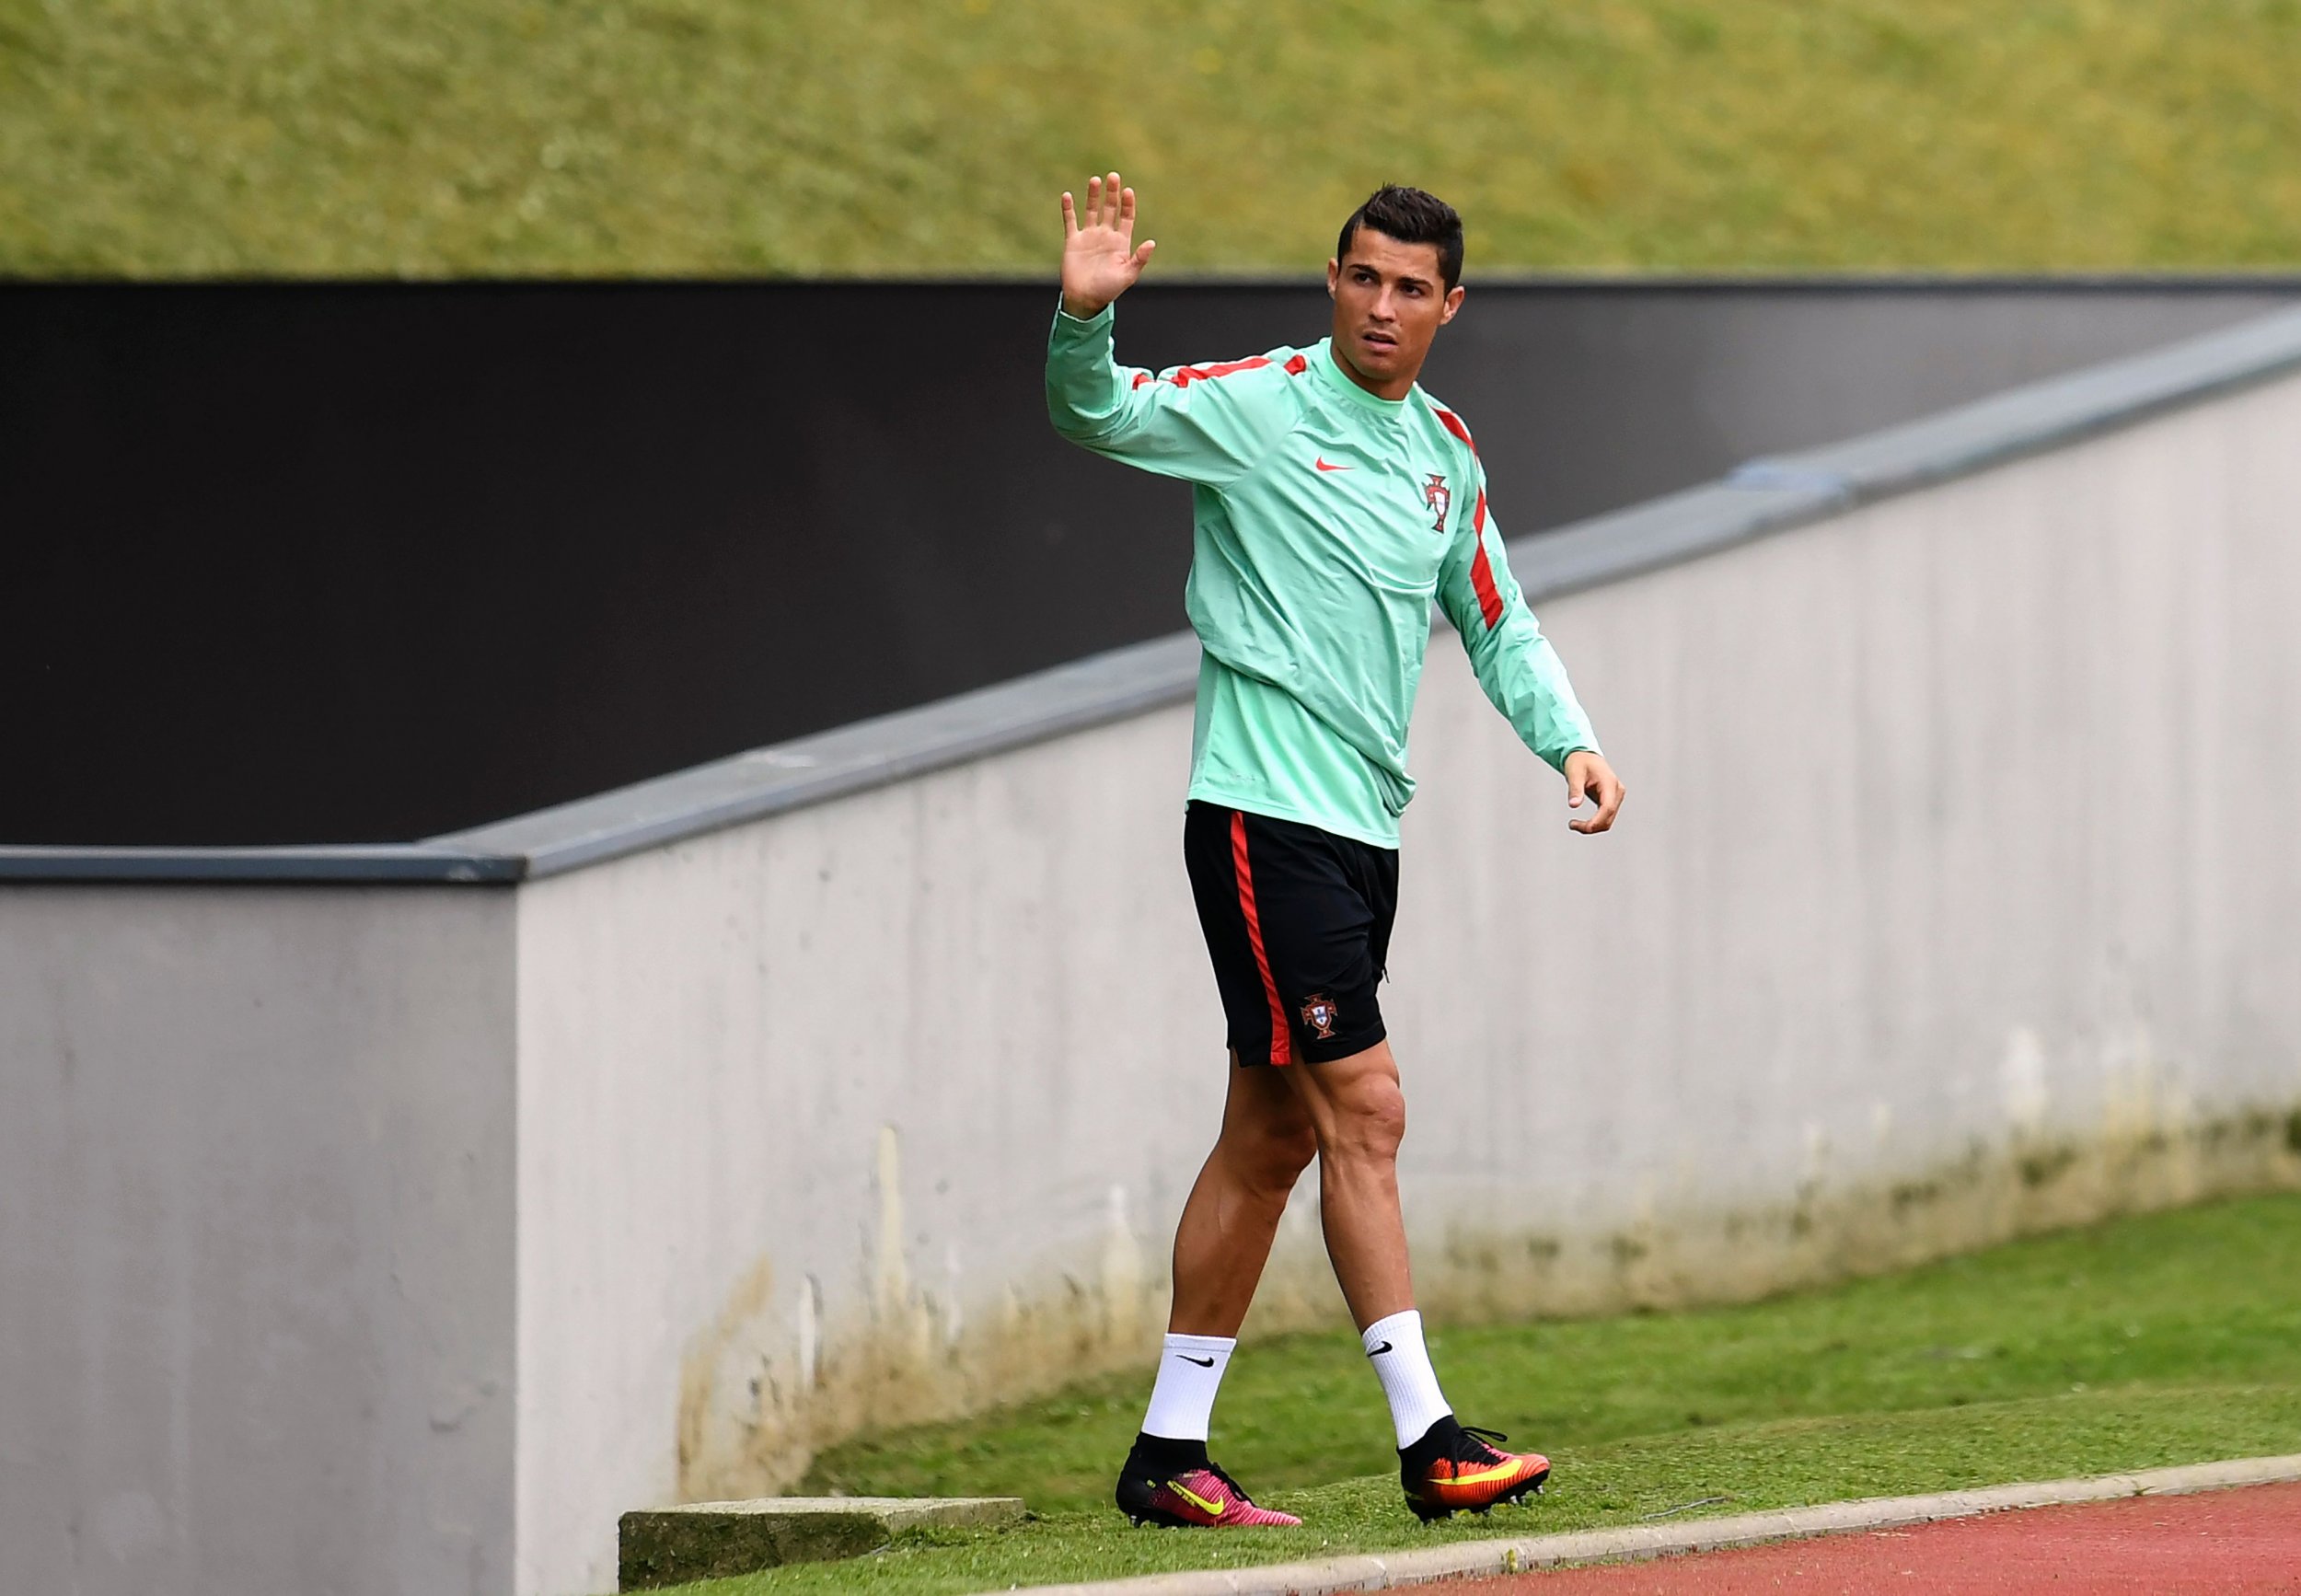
(1376, 341)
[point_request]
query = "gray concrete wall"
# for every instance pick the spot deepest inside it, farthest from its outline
(870, 1110)
(256, 1287)
(1952, 901)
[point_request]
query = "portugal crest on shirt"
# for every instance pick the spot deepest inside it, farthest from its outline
(1439, 498)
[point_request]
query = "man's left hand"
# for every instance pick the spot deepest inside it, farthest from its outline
(1587, 774)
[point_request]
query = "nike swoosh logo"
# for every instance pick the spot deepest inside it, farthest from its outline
(1379, 1350)
(1481, 1476)
(1202, 1362)
(1195, 1499)
(1325, 464)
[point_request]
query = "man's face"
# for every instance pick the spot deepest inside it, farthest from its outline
(1390, 301)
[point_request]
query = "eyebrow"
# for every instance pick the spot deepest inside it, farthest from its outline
(1403, 277)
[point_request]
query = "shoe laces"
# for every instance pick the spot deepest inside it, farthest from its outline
(1221, 1474)
(1472, 1444)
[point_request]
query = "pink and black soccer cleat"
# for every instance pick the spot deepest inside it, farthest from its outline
(1172, 1483)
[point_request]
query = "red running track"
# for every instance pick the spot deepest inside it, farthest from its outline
(2246, 1541)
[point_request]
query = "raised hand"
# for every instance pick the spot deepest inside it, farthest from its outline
(1099, 260)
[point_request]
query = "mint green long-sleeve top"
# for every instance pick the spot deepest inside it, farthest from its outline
(1326, 521)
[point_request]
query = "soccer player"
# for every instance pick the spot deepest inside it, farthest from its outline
(1332, 500)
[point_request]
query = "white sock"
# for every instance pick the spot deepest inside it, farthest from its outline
(1402, 1364)
(1190, 1372)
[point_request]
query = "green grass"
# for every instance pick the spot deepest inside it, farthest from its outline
(427, 137)
(2162, 1339)
(1791, 1464)
(2201, 1295)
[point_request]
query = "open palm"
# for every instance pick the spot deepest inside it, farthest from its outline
(1099, 260)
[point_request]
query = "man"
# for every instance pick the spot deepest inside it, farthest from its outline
(1334, 500)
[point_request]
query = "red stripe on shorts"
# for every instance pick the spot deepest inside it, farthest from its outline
(1281, 1047)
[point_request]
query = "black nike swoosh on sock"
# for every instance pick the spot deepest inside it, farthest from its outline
(1379, 1350)
(1202, 1362)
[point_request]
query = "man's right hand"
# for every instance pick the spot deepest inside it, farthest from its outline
(1099, 260)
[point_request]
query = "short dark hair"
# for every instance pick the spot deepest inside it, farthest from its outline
(1410, 216)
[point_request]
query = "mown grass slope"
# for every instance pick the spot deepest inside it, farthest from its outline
(429, 137)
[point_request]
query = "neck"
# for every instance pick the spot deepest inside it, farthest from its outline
(1392, 389)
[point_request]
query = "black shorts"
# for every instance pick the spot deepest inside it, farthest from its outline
(1297, 924)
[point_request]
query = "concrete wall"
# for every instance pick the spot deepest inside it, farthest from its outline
(1952, 901)
(869, 1110)
(256, 1292)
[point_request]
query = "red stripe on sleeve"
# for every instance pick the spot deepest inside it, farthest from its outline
(1453, 424)
(1185, 374)
(1482, 569)
(1281, 1044)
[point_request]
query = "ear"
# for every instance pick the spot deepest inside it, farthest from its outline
(1334, 277)
(1453, 303)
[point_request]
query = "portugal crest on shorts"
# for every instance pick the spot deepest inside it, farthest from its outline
(1320, 1015)
(1439, 498)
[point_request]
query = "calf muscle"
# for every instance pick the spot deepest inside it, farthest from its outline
(1359, 1115)
(1232, 1214)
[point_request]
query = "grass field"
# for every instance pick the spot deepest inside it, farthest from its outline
(2164, 1339)
(428, 137)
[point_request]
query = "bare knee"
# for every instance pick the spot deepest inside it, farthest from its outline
(1269, 1159)
(1366, 1123)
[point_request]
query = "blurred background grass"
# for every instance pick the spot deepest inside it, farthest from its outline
(155, 138)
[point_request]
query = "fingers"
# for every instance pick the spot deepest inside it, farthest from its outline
(1587, 774)
(1608, 805)
(1109, 204)
(1142, 255)
(1609, 792)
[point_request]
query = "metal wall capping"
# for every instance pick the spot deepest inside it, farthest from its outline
(1758, 498)
(416, 863)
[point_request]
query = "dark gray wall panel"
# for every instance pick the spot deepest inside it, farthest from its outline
(311, 563)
